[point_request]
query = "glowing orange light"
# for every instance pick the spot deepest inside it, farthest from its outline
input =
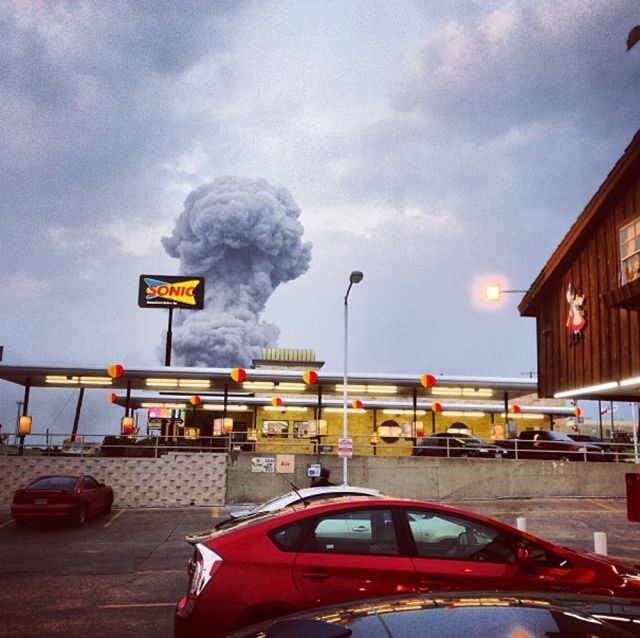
(24, 425)
(419, 428)
(310, 377)
(111, 397)
(238, 374)
(516, 409)
(276, 401)
(436, 407)
(357, 404)
(115, 371)
(126, 425)
(577, 411)
(428, 380)
(194, 399)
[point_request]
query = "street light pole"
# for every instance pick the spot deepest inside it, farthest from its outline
(355, 278)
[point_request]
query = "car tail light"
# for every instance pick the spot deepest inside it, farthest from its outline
(203, 565)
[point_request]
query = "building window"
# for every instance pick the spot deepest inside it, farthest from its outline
(630, 252)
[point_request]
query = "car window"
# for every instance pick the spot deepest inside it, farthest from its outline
(441, 535)
(287, 538)
(89, 483)
(53, 483)
(354, 532)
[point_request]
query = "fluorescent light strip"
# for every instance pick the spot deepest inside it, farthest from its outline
(288, 408)
(194, 383)
(367, 389)
(586, 390)
(258, 385)
(625, 383)
(404, 412)
(60, 379)
(220, 406)
(165, 383)
(298, 387)
(340, 410)
(471, 413)
(176, 406)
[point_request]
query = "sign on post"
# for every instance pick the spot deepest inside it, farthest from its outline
(345, 448)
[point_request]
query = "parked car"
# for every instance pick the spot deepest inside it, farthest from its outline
(610, 452)
(456, 444)
(302, 497)
(550, 445)
(349, 549)
(490, 614)
(74, 497)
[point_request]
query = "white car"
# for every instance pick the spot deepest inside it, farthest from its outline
(305, 496)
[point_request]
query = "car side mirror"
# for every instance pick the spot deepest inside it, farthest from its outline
(523, 556)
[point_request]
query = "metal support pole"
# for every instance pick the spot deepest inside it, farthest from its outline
(167, 352)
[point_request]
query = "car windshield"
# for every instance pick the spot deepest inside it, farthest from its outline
(560, 436)
(53, 483)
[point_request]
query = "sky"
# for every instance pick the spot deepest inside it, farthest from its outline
(434, 146)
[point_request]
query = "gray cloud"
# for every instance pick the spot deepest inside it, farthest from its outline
(245, 238)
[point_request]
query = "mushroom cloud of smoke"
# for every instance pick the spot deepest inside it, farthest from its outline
(243, 236)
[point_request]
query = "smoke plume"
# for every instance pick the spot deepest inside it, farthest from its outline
(243, 236)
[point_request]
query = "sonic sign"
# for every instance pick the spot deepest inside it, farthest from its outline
(156, 291)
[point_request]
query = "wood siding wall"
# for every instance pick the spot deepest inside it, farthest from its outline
(610, 346)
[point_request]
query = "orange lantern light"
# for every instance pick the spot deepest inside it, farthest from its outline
(276, 401)
(115, 371)
(436, 407)
(228, 425)
(419, 429)
(126, 425)
(24, 425)
(238, 374)
(428, 380)
(310, 377)
(577, 411)
(516, 409)
(357, 404)
(112, 397)
(194, 400)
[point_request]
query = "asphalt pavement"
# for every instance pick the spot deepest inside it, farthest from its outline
(121, 575)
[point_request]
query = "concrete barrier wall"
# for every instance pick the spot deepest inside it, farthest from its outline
(171, 480)
(179, 479)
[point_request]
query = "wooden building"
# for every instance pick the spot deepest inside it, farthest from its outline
(586, 300)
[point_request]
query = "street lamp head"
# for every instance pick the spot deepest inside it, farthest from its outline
(492, 292)
(356, 277)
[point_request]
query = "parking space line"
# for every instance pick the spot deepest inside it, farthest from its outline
(135, 605)
(6, 523)
(117, 515)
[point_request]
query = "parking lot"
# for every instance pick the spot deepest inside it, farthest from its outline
(121, 575)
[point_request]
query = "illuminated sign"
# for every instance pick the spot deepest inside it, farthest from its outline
(157, 415)
(157, 291)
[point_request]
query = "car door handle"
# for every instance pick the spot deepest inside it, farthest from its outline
(362, 528)
(316, 575)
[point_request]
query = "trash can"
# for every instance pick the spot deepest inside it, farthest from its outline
(632, 481)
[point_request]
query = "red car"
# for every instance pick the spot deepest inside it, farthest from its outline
(359, 548)
(65, 496)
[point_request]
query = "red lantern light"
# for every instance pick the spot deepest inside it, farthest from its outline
(238, 374)
(112, 397)
(276, 401)
(195, 400)
(24, 425)
(428, 380)
(516, 409)
(310, 377)
(357, 404)
(126, 425)
(577, 411)
(436, 407)
(115, 371)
